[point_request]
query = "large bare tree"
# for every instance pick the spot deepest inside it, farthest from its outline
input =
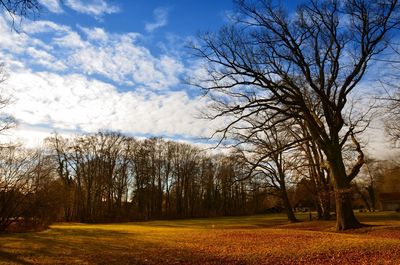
(270, 60)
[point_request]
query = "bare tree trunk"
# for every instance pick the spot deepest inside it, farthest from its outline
(345, 218)
(326, 204)
(317, 205)
(288, 207)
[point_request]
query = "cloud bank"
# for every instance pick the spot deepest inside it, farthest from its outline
(87, 79)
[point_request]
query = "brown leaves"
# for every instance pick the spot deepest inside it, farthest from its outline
(167, 242)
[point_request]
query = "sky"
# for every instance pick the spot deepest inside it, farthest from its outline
(87, 65)
(84, 66)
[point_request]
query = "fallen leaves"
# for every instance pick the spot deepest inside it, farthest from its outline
(166, 243)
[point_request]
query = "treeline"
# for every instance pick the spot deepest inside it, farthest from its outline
(30, 192)
(109, 177)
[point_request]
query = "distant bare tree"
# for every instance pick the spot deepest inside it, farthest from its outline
(268, 149)
(28, 188)
(392, 120)
(14, 180)
(43, 200)
(368, 184)
(390, 98)
(316, 172)
(58, 149)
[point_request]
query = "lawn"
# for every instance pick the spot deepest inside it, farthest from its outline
(263, 239)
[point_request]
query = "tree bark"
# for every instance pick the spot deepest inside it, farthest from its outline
(345, 218)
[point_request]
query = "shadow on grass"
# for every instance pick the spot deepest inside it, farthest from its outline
(98, 246)
(104, 244)
(11, 258)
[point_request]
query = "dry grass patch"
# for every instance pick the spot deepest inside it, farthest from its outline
(245, 240)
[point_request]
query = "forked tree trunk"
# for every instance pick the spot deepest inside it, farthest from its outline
(345, 218)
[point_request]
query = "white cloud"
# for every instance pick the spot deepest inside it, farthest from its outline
(96, 8)
(96, 34)
(161, 19)
(42, 26)
(69, 40)
(121, 58)
(67, 97)
(11, 41)
(74, 102)
(52, 5)
(45, 59)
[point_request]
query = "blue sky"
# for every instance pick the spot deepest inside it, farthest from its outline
(83, 66)
(157, 20)
(88, 65)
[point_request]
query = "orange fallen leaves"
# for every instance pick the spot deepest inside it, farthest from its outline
(166, 244)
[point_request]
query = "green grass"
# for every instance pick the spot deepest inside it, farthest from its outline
(253, 221)
(259, 239)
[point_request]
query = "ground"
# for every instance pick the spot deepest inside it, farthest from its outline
(262, 239)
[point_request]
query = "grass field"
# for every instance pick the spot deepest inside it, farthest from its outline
(263, 239)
